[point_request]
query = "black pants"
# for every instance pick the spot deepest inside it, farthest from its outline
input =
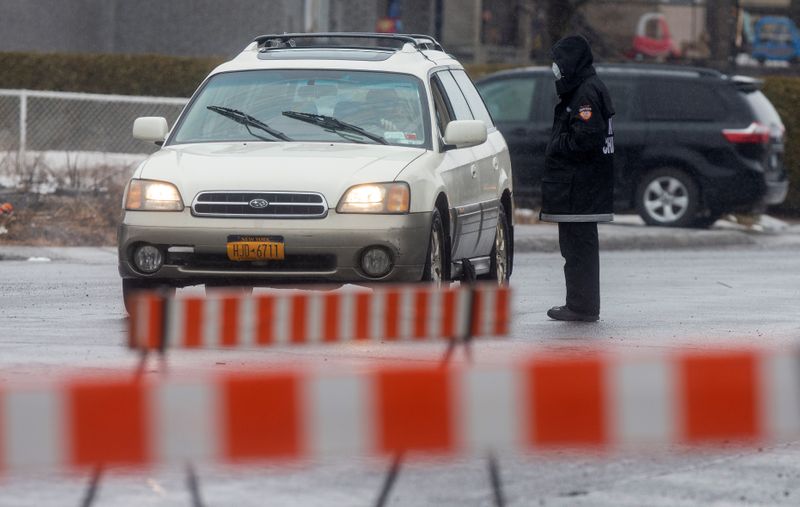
(579, 247)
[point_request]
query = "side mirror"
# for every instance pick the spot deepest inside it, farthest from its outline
(150, 128)
(465, 133)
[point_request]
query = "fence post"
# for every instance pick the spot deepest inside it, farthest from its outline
(23, 125)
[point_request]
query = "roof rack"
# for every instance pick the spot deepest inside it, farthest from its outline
(287, 40)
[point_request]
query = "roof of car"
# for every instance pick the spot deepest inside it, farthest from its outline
(630, 69)
(403, 53)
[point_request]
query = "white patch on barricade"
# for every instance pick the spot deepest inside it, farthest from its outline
(779, 376)
(185, 418)
(248, 321)
(176, 322)
(406, 313)
(377, 314)
(642, 403)
(314, 317)
(34, 429)
(435, 310)
(282, 322)
(488, 311)
(347, 310)
(212, 322)
(491, 412)
(338, 420)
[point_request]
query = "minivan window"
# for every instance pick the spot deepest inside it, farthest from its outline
(509, 99)
(624, 99)
(681, 100)
(457, 101)
(765, 112)
(473, 97)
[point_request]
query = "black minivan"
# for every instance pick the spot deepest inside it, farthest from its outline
(691, 143)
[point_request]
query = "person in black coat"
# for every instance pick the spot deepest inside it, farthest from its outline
(578, 180)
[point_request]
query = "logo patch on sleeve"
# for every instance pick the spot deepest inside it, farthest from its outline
(585, 112)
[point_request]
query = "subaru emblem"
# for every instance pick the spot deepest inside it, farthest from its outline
(259, 203)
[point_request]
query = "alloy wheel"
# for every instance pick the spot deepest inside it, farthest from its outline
(666, 199)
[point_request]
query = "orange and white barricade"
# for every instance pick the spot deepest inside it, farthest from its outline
(535, 404)
(392, 313)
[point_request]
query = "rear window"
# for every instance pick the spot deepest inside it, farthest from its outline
(765, 112)
(681, 100)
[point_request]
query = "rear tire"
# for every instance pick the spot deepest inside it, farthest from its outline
(667, 197)
(130, 286)
(501, 258)
(437, 261)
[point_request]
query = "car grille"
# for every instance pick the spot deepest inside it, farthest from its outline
(260, 204)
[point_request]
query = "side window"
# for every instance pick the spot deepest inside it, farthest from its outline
(625, 98)
(454, 96)
(443, 113)
(509, 99)
(672, 99)
(473, 97)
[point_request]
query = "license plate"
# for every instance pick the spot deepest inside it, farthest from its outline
(255, 248)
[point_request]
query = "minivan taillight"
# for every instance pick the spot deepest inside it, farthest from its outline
(755, 133)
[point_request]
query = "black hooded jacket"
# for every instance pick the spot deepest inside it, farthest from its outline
(578, 180)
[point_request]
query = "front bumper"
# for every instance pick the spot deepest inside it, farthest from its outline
(327, 249)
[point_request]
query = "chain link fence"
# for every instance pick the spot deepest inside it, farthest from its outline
(33, 121)
(51, 140)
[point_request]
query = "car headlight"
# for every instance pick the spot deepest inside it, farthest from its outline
(376, 198)
(150, 195)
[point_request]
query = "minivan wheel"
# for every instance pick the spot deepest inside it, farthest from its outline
(131, 286)
(500, 258)
(667, 197)
(436, 260)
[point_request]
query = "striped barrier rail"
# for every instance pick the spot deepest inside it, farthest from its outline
(391, 313)
(539, 403)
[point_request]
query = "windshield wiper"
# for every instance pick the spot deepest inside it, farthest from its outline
(334, 125)
(248, 121)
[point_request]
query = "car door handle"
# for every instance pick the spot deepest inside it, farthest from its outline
(474, 169)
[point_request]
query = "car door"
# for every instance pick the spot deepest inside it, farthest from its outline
(511, 102)
(461, 177)
(630, 136)
(489, 165)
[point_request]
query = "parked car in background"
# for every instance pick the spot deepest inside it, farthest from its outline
(776, 38)
(691, 143)
(352, 158)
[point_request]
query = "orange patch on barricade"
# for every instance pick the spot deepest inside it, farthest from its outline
(413, 410)
(299, 305)
(421, 313)
(193, 323)
(566, 403)
(392, 331)
(332, 304)
(108, 423)
(362, 316)
(720, 398)
(261, 417)
(230, 321)
(502, 311)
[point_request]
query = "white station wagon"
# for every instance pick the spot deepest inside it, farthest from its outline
(347, 158)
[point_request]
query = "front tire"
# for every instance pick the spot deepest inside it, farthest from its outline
(667, 197)
(436, 262)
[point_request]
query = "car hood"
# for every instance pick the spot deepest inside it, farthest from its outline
(327, 168)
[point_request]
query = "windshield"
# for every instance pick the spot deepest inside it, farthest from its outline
(248, 105)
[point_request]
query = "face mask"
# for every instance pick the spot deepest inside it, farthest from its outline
(556, 71)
